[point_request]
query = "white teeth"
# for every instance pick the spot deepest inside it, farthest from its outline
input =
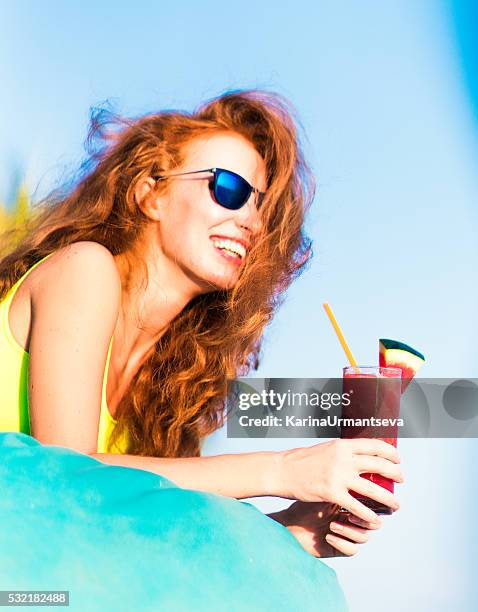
(231, 245)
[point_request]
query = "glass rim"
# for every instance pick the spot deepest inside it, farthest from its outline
(377, 369)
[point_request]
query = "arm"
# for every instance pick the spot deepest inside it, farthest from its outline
(74, 310)
(74, 313)
(242, 475)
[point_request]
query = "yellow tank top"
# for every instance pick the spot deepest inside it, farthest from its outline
(14, 360)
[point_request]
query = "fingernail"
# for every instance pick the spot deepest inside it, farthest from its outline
(329, 536)
(336, 526)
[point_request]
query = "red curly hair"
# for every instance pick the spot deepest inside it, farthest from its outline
(178, 395)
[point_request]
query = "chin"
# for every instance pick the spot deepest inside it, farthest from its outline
(212, 276)
(222, 279)
(223, 282)
(208, 281)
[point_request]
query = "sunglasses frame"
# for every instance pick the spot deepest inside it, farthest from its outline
(216, 172)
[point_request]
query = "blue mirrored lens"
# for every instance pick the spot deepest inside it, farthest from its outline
(231, 191)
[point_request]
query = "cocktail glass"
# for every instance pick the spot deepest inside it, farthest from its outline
(371, 395)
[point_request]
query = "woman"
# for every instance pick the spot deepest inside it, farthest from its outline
(137, 294)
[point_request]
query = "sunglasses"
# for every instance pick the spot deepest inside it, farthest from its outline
(230, 189)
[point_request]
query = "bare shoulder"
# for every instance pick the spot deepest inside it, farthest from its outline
(75, 307)
(87, 265)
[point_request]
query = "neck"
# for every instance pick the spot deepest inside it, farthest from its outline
(149, 305)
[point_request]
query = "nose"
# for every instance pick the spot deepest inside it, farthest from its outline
(248, 217)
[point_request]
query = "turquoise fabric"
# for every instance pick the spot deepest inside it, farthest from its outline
(125, 539)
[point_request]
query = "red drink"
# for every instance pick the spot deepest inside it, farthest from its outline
(373, 395)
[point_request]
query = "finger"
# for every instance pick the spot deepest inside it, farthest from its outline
(344, 546)
(365, 524)
(375, 492)
(378, 465)
(356, 507)
(356, 534)
(371, 446)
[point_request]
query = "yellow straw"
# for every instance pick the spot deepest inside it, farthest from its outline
(340, 335)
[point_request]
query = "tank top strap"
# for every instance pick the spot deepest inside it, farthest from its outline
(7, 300)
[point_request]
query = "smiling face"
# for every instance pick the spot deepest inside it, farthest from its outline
(193, 229)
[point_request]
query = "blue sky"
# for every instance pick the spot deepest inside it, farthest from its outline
(386, 92)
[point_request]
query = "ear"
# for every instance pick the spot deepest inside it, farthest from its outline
(144, 195)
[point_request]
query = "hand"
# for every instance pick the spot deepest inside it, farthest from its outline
(327, 472)
(312, 524)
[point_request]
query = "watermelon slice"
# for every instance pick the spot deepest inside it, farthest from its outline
(394, 354)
